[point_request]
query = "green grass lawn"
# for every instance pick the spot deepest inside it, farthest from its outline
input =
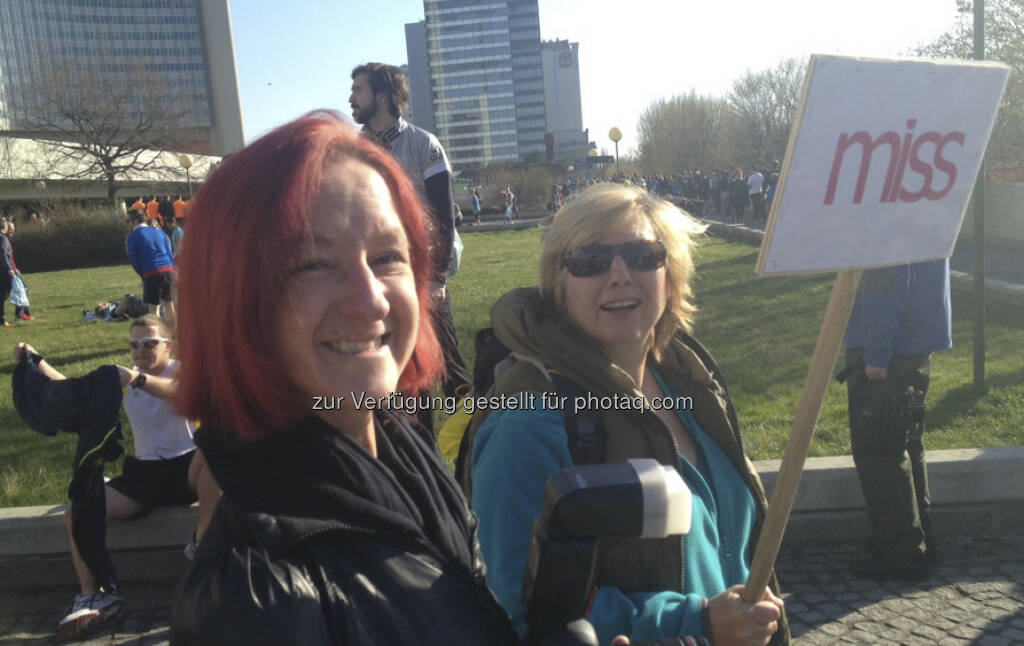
(761, 331)
(35, 469)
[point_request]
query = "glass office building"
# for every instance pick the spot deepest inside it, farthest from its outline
(527, 76)
(486, 81)
(181, 49)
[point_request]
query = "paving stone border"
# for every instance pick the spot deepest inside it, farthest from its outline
(976, 596)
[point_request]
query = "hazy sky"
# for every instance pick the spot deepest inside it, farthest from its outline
(296, 55)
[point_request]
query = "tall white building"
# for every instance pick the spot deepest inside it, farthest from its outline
(563, 112)
(181, 47)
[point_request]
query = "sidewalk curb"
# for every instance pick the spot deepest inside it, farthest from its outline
(975, 492)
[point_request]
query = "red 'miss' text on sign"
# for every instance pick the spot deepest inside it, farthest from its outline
(903, 153)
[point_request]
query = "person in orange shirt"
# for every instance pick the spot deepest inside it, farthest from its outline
(180, 206)
(153, 209)
(138, 204)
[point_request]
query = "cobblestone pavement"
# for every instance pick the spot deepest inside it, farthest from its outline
(975, 597)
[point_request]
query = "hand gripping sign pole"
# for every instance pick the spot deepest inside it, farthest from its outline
(878, 172)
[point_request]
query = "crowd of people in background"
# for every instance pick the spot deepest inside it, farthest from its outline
(165, 214)
(725, 193)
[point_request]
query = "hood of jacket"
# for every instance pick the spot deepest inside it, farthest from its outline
(531, 327)
(528, 326)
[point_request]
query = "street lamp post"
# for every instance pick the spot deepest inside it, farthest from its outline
(186, 163)
(40, 187)
(979, 224)
(615, 135)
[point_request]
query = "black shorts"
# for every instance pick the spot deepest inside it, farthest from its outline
(156, 483)
(157, 287)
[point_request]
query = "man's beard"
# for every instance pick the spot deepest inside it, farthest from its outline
(363, 115)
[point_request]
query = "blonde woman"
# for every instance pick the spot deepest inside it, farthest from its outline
(611, 315)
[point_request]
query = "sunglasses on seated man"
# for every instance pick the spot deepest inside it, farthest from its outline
(596, 259)
(148, 342)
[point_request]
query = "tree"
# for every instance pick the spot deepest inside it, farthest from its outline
(682, 133)
(94, 129)
(764, 104)
(1004, 42)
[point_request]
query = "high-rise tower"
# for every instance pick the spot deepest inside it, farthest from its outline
(182, 48)
(485, 78)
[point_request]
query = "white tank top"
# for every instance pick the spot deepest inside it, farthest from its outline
(160, 433)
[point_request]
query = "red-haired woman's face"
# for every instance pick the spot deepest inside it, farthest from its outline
(348, 320)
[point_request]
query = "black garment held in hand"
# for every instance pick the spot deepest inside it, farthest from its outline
(90, 407)
(317, 542)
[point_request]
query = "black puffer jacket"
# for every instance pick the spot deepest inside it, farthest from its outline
(316, 542)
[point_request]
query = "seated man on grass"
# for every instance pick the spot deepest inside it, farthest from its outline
(166, 470)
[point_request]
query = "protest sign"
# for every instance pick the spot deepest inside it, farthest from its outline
(879, 169)
(881, 162)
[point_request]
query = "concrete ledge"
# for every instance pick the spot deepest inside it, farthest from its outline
(40, 530)
(996, 291)
(735, 232)
(975, 492)
(34, 546)
(50, 570)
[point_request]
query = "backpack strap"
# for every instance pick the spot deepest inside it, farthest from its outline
(585, 428)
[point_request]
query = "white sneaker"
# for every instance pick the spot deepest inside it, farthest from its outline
(191, 546)
(89, 611)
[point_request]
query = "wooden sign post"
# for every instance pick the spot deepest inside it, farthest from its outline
(879, 169)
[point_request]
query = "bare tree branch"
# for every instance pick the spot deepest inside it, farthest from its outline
(93, 129)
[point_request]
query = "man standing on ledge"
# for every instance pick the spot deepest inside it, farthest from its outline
(379, 95)
(901, 316)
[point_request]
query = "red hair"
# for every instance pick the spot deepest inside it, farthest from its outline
(250, 217)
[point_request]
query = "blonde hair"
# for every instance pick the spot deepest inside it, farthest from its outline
(152, 320)
(608, 208)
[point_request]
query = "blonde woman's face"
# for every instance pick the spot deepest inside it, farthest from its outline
(619, 308)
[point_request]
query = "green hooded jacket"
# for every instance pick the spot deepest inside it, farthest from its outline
(538, 337)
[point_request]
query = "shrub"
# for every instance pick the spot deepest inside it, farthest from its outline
(71, 238)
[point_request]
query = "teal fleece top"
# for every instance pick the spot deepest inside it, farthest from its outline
(514, 453)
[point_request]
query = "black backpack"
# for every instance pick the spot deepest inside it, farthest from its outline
(585, 430)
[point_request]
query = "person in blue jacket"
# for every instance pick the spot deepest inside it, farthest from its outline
(150, 254)
(901, 315)
(609, 315)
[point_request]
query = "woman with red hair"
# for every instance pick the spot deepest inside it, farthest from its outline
(303, 306)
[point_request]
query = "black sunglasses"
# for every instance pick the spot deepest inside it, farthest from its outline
(596, 259)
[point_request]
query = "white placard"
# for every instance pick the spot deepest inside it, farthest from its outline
(881, 162)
